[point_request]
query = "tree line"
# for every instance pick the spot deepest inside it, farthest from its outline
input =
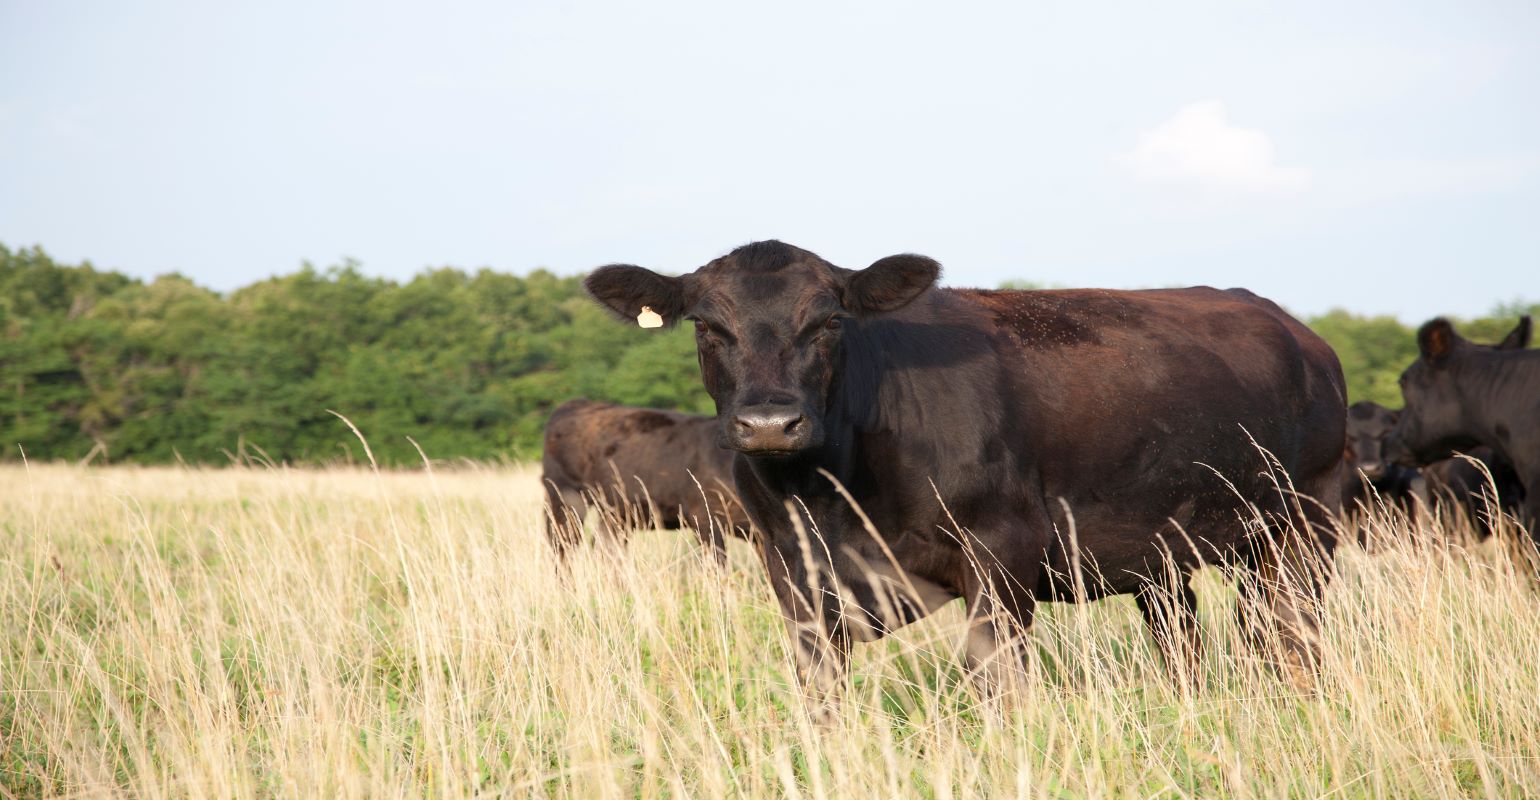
(96, 364)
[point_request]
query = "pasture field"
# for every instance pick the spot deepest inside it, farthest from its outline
(273, 632)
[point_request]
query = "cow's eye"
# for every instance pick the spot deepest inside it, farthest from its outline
(701, 327)
(833, 324)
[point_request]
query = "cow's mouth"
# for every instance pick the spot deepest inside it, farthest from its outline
(773, 453)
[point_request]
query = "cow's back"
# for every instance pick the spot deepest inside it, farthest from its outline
(1149, 411)
(1174, 368)
(572, 442)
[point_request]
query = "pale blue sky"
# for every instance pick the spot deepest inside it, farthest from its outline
(1383, 157)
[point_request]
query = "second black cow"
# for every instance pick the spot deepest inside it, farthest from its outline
(1369, 475)
(1464, 483)
(1461, 395)
(637, 467)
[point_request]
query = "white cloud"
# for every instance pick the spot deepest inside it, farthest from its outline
(1200, 148)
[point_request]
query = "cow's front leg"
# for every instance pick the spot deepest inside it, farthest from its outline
(1004, 563)
(1170, 611)
(819, 641)
(821, 654)
(997, 625)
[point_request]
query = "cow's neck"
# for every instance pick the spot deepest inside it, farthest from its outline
(908, 378)
(1498, 390)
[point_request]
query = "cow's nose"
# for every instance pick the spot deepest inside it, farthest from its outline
(770, 428)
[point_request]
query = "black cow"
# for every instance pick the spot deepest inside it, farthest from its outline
(1368, 474)
(1459, 482)
(642, 467)
(1468, 487)
(1009, 446)
(1454, 482)
(1461, 395)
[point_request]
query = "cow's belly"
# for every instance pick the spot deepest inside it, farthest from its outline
(1119, 543)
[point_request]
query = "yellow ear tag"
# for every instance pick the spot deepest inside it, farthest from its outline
(649, 318)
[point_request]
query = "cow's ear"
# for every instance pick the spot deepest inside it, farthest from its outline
(1518, 338)
(1436, 340)
(890, 283)
(627, 290)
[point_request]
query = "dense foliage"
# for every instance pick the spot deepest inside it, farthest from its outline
(466, 364)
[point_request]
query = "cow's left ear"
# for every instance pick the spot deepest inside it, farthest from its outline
(1518, 338)
(1436, 340)
(890, 283)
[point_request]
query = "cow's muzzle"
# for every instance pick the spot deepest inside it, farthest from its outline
(770, 429)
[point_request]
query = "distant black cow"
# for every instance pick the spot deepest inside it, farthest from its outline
(1371, 478)
(1467, 485)
(970, 425)
(643, 468)
(1369, 475)
(1460, 395)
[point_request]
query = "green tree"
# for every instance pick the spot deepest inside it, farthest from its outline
(467, 364)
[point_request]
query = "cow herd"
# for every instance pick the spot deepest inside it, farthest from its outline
(1462, 483)
(889, 445)
(1461, 396)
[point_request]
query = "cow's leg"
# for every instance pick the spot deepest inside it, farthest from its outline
(709, 519)
(616, 519)
(997, 624)
(712, 530)
(1293, 568)
(820, 644)
(709, 524)
(1004, 564)
(1287, 592)
(822, 652)
(565, 509)
(1000, 611)
(1529, 512)
(1170, 610)
(796, 560)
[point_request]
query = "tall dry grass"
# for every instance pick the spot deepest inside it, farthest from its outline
(290, 633)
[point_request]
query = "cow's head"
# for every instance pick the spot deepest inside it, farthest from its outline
(769, 322)
(1433, 423)
(1368, 425)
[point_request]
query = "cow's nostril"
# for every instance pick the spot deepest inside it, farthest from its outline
(794, 425)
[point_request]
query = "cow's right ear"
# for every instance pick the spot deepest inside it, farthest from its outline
(627, 290)
(1518, 338)
(1436, 340)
